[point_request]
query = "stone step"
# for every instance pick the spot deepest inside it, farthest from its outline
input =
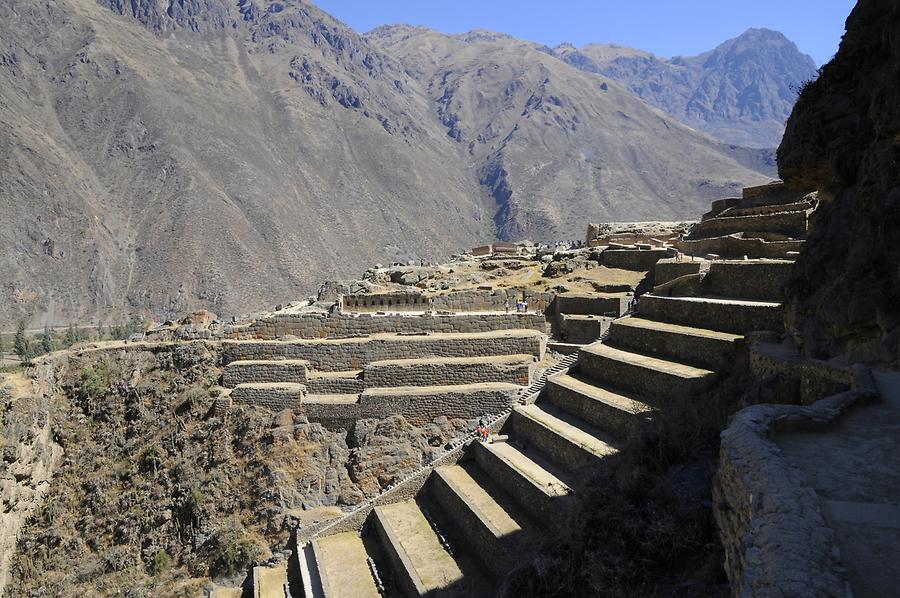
(713, 313)
(422, 566)
(799, 206)
(499, 534)
(511, 369)
(613, 412)
(540, 487)
(343, 567)
(255, 371)
(582, 329)
(271, 395)
(566, 440)
(649, 377)
(792, 224)
(565, 348)
(749, 279)
(270, 582)
(327, 383)
(707, 348)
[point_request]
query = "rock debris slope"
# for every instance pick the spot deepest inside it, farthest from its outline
(205, 153)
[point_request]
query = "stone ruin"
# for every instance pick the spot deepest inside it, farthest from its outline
(492, 505)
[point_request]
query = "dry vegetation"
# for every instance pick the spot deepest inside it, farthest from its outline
(158, 492)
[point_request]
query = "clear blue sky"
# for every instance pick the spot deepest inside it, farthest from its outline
(664, 27)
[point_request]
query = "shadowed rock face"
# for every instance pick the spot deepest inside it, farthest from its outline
(844, 138)
(169, 156)
(740, 92)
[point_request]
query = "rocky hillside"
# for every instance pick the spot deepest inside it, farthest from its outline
(158, 491)
(843, 138)
(553, 143)
(230, 155)
(741, 92)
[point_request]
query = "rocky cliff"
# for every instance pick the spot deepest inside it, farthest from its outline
(843, 137)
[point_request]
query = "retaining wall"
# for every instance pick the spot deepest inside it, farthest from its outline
(632, 259)
(434, 372)
(792, 224)
(334, 385)
(776, 539)
(748, 280)
(270, 396)
(240, 372)
(353, 354)
(734, 246)
(592, 304)
(669, 269)
(420, 405)
(316, 326)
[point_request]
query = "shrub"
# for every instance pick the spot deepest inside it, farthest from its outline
(93, 383)
(231, 550)
(161, 562)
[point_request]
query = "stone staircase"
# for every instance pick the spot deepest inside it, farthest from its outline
(476, 519)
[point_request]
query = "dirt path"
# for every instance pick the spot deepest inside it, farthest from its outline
(855, 469)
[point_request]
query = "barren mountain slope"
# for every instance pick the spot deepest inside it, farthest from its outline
(222, 162)
(163, 156)
(741, 92)
(557, 145)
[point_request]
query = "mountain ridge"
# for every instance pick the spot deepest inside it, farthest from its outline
(741, 92)
(231, 156)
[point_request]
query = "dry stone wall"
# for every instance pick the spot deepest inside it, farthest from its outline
(241, 372)
(791, 224)
(748, 280)
(433, 372)
(491, 300)
(422, 405)
(353, 354)
(315, 326)
(632, 259)
(791, 379)
(270, 396)
(776, 539)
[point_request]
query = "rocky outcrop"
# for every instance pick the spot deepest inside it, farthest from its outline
(28, 458)
(843, 138)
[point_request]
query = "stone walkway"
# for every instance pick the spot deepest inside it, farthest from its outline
(855, 469)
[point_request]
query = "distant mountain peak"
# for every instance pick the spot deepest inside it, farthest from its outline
(740, 92)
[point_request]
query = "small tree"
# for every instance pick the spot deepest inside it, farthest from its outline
(71, 336)
(20, 343)
(47, 341)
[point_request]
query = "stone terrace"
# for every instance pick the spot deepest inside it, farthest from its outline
(457, 364)
(479, 517)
